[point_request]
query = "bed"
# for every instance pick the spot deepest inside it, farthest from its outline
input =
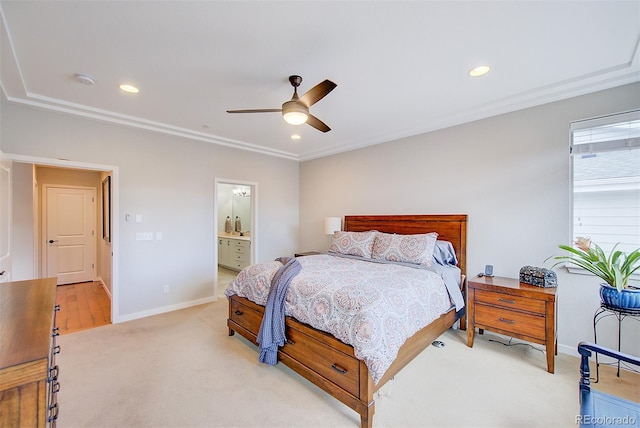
(329, 362)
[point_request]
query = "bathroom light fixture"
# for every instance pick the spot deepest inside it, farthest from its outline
(129, 88)
(294, 113)
(244, 192)
(479, 70)
(295, 137)
(332, 224)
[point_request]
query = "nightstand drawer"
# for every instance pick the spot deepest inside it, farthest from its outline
(510, 301)
(510, 321)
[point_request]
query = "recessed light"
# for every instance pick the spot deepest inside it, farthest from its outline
(295, 137)
(479, 71)
(129, 88)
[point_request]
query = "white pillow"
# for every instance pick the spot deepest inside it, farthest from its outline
(353, 243)
(417, 249)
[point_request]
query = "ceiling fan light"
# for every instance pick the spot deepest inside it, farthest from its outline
(294, 113)
(295, 117)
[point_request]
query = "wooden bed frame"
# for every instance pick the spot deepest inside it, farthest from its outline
(331, 364)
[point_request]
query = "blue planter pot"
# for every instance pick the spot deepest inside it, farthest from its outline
(627, 299)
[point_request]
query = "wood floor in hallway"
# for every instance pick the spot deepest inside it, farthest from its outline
(82, 306)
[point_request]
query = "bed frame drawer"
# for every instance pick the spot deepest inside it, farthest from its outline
(339, 368)
(245, 317)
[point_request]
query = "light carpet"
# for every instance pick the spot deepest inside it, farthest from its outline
(181, 369)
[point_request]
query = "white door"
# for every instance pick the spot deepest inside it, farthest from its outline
(70, 234)
(5, 220)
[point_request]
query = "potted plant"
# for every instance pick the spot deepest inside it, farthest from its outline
(615, 269)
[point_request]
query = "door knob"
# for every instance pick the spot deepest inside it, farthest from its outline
(51, 241)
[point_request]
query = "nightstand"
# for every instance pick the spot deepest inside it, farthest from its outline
(510, 307)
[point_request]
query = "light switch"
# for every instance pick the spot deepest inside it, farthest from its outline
(146, 236)
(138, 218)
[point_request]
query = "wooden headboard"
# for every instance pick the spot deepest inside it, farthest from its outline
(450, 227)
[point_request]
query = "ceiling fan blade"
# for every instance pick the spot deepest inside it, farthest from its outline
(317, 123)
(317, 93)
(259, 110)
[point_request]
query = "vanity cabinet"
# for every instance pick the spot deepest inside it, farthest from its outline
(28, 371)
(234, 253)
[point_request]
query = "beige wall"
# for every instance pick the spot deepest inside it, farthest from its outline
(509, 173)
(169, 181)
(24, 217)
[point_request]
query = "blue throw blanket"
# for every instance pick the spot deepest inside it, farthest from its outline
(271, 334)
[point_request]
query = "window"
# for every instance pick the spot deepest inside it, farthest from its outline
(606, 180)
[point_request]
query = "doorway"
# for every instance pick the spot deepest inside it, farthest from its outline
(235, 219)
(107, 251)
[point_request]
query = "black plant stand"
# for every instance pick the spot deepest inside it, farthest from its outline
(607, 311)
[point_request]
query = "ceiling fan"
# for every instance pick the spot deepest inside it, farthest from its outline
(296, 110)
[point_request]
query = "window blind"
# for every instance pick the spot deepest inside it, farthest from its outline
(608, 133)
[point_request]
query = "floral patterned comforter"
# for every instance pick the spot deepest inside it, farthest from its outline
(373, 307)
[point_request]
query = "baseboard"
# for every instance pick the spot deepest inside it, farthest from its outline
(569, 350)
(106, 289)
(164, 309)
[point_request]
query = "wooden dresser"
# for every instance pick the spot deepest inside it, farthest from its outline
(28, 373)
(510, 307)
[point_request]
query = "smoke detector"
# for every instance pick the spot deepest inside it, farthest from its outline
(85, 78)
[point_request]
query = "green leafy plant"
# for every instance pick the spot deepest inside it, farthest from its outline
(614, 268)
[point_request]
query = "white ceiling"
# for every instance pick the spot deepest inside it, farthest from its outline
(401, 67)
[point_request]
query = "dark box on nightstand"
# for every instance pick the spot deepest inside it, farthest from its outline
(540, 277)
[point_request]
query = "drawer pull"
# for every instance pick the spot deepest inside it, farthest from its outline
(56, 308)
(55, 388)
(55, 332)
(506, 320)
(239, 313)
(510, 301)
(56, 349)
(53, 374)
(290, 342)
(338, 369)
(54, 412)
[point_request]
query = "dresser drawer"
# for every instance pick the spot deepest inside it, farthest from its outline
(238, 243)
(510, 321)
(510, 301)
(246, 317)
(339, 368)
(244, 258)
(240, 250)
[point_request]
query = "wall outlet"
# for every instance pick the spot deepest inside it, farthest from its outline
(165, 288)
(146, 236)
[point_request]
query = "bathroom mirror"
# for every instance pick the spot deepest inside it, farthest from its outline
(234, 202)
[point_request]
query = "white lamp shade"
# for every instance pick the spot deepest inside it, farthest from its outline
(332, 224)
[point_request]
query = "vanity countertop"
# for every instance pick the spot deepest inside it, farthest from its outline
(233, 235)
